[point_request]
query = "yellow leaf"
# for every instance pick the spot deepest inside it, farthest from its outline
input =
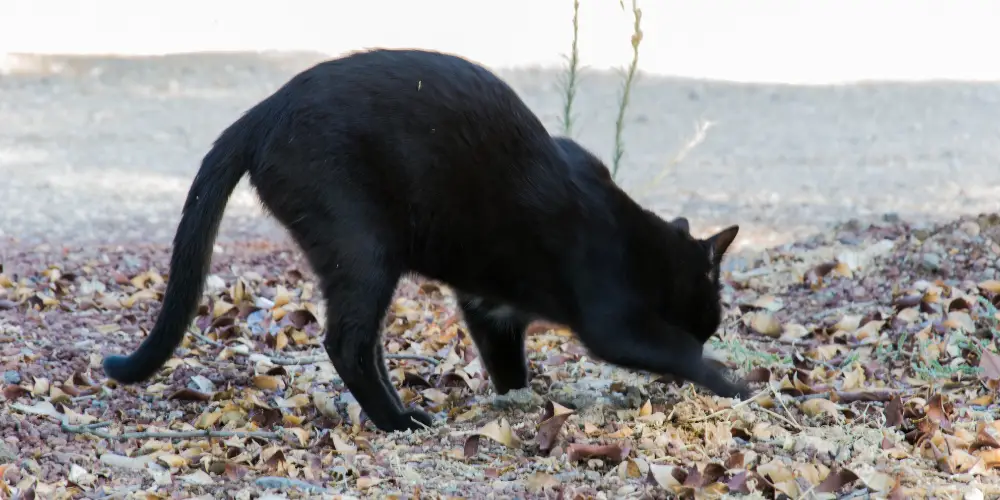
(56, 395)
(41, 387)
(848, 323)
(816, 407)
(208, 419)
(145, 295)
(793, 331)
(992, 286)
(854, 379)
(324, 403)
(268, 382)
(277, 313)
(366, 482)
(289, 419)
(172, 461)
(776, 471)
(666, 476)
(221, 307)
(435, 395)
(296, 401)
(281, 297)
(763, 323)
(500, 432)
(300, 434)
(342, 446)
(646, 410)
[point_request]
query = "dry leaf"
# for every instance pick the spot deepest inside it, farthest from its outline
(763, 323)
(553, 418)
(268, 382)
(992, 286)
(989, 362)
(613, 452)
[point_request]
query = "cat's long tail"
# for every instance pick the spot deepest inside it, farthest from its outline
(221, 169)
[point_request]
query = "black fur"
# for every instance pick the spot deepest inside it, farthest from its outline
(387, 162)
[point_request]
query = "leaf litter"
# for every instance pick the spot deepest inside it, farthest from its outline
(873, 351)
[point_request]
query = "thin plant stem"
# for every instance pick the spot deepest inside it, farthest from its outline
(627, 90)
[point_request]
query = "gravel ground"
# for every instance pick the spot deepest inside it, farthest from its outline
(102, 149)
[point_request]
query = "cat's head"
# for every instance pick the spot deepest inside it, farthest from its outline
(693, 301)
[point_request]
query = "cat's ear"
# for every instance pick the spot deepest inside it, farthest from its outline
(681, 223)
(719, 242)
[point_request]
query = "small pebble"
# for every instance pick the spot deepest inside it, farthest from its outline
(931, 261)
(11, 377)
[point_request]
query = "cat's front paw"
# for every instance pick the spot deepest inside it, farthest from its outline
(414, 420)
(737, 389)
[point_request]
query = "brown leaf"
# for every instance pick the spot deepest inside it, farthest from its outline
(553, 418)
(894, 412)
(735, 460)
(836, 480)
(990, 364)
(759, 374)
(12, 392)
(188, 394)
(936, 412)
(299, 318)
(613, 452)
(814, 278)
(471, 446)
(738, 483)
(983, 439)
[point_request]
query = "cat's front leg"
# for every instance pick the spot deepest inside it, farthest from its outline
(668, 350)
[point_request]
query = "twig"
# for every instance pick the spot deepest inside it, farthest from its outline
(94, 429)
(725, 410)
(278, 483)
(205, 339)
(699, 136)
(790, 418)
(853, 396)
(308, 360)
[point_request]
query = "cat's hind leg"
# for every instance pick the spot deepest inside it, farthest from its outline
(358, 281)
(498, 332)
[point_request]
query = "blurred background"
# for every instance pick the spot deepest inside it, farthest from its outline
(820, 111)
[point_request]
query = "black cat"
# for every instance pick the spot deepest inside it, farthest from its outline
(388, 162)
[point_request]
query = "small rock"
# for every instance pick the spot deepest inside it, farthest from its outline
(11, 377)
(970, 228)
(931, 262)
(523, 399)
(973, 494)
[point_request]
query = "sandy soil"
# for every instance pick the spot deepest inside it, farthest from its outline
(104, 148)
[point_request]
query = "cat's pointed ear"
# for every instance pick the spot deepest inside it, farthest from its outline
(719, 242)
(681, 223)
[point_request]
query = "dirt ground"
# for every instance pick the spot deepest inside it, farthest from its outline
(873, 348)
(104, 148)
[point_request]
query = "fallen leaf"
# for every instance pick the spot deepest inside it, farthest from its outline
(836, 480)
(189, 394)
(268, 382)
(763, 323)
(553, 418)
(989, 362)
(613, 452)
(992, 286)
(500, 432)
(894, 412)
(936, 412)
(820, 406)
